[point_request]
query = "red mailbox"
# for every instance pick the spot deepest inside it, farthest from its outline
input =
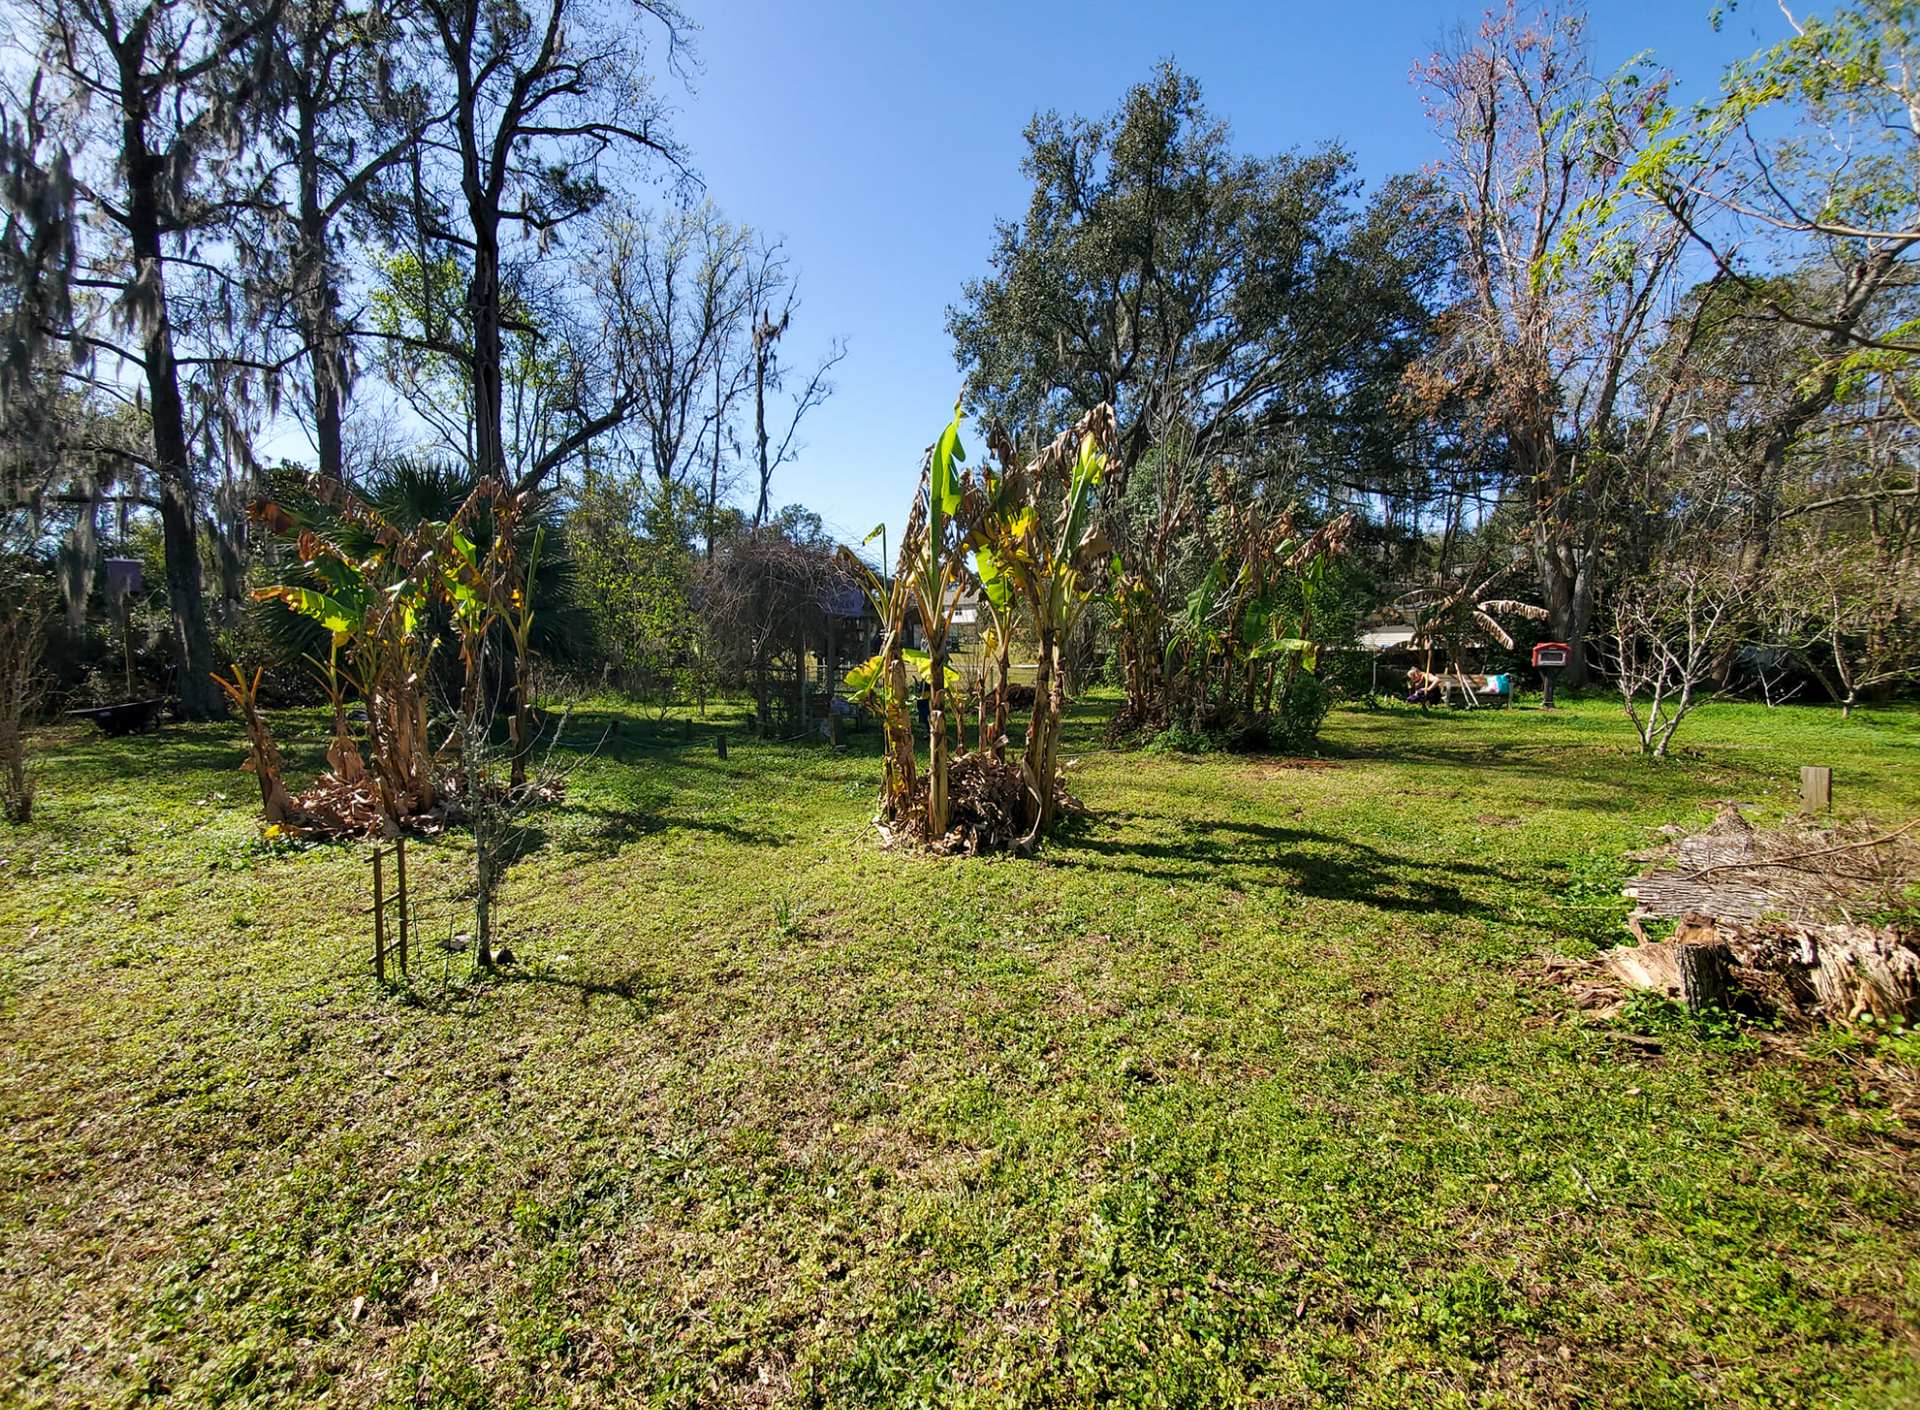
(1548, 658)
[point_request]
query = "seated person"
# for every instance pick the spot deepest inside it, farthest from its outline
(1424, 688)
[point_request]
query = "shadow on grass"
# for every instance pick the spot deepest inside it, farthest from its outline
(639, 993)
(1312, 863)
(642, 997)
(1621, 782)
(618, 828)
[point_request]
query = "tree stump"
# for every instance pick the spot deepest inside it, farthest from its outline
(1705, 978)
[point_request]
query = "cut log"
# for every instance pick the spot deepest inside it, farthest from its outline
(1696, 929)
(1652, 966)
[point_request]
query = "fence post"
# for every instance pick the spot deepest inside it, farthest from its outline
(1816, 789)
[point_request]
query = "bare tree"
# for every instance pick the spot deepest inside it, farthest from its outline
(1567, 284)
(679, 288)
(768, 376)
(537, 103)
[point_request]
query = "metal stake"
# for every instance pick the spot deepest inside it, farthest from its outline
(400, 865)
(379, 921)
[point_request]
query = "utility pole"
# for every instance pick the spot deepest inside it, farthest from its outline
(765, 334)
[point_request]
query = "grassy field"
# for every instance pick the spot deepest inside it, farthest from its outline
(1246, 1092)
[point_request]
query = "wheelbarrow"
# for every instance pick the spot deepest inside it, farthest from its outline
(128, 717)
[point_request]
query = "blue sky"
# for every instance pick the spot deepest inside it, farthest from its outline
(882, 141)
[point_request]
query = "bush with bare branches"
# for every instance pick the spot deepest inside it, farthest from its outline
(760, 597)
(1668, 637)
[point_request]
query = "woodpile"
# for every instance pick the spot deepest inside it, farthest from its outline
(1767, 925)
(1732, 871)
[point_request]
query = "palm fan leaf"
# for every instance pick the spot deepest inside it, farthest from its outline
(1524, 609)
(1498, 632)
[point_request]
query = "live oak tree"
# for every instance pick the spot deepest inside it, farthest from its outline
(154, 105)
(1240, 315)
(1161, 273)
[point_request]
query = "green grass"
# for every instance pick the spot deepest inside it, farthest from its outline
(1244, 1092)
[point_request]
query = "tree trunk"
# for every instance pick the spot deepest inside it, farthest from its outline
(713, 477)
(316, 300)
(199, 697)
(1557, 596)
(483, 307)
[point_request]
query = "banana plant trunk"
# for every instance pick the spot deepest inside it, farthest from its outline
(999, 745)
(899, 733)
(1038, 763)
(938, 807)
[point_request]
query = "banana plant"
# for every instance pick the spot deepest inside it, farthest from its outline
(264, 758)
(1139, 624)
(370, 603)
(937, 556)
(1053, 567)
(881, 683)
(1235, 636)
